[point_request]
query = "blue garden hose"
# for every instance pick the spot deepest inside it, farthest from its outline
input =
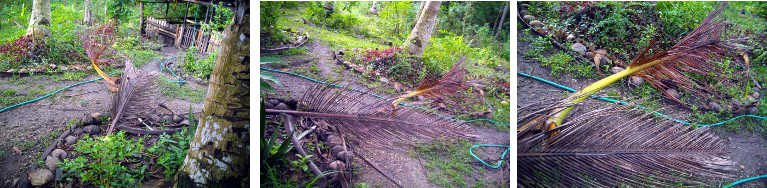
(483, 162)
(658, 113)
(162, 67)
(642, 107)
(48, 95)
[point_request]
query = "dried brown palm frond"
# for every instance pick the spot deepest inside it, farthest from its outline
(135, 96)
(621, 145)
(701, 53)
(368, 120)
(96, 42)
(447, 85)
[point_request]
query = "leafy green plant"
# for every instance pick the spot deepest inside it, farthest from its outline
(171, 151)
(109, 161)
(270, 151)
(562, 62)
(266, 75)
(301, 164)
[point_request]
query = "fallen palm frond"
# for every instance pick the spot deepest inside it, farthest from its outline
(367, 119)
(134, 96)
(621, 146)
(448, 85)
(695, 54)
(96, 42)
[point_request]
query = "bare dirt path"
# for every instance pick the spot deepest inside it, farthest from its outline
(28, 127)
(400, 165)
(747, 150)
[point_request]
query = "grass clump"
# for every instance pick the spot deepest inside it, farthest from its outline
(185, 91)
(448, 163)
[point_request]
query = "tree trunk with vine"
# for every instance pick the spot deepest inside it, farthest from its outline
(219, 153)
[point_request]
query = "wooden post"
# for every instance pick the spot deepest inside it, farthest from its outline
(186, 12)
(180, 35)
(141, 18)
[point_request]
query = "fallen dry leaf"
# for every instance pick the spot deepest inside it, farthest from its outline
(17, 150)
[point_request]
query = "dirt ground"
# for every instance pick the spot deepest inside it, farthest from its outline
(747, 150)
(402, 167)
(36, 120)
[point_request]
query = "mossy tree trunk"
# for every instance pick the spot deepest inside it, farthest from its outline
(40, 20)
(219, 153)
(419, 36)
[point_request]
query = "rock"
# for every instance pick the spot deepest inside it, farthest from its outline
(441, 105)
(33, 70)
(750, 99)
(283, 106)
(714, 106)
(22, 70)
(605, 61)
(727, 108)
(10, 71)
(291, 103)
(336, 149)
(59, 153)
(529, 17)
(337, 165)
(345, 155)
(753, 110)
(58, 174)
(523, 12)
(397, 86)
(166, 118)
(333, 140)
(274, 102)
(198, 80)
(420, 98)
(589, 55)
(52, 162)
(268, 105)
(735, 102)
(615, 70)
(53, 66)
(92, 129)
(384, 80)
(96, 115)
(77, 131)
(578, 47)
(185, 122)
(177, 119)
(86, 120)
(570, 37)
(755, 95)
(673, 93)
(70, 140)
(636, 80)
(40, 177)
(536, 24)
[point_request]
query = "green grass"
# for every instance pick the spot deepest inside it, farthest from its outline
(447, 163)
(335, 40)
(185, 92)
